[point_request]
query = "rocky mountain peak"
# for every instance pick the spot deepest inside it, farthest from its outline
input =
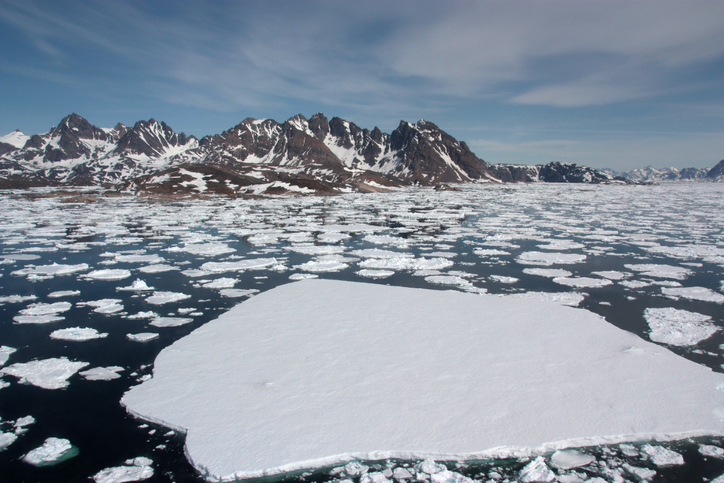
(717, 172)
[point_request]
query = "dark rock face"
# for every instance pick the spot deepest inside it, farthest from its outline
(150, 138)
(556, 172)
(717, 172)
(509, 173)
(6, 148)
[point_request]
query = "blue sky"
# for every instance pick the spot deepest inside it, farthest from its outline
(617, 84)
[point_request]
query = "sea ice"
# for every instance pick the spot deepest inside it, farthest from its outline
(610, 274)
(142, 336)
(583, 282)
(102, 373)
(37, 319)
(660, 271)
(223, 282)
(6, 439)
(711, 451)
(547, 272)
(239, 266)
(104, 306)
(138, 285)
(536, 471)
(550, 258)
(503, 279)
(63, 293)
(52, 270)
(661, 456)
(157, 268)
(329, 263)
(375, 273)
(678, 327)
(237, 292)
(5, 352)
(132, 471)
(46, 373)
(108, 274)
(570, 458)
(160, 298)
(47, 309)
(170, 321)
(16, 299)
(343, 370)
(693, 293)
(77, 334)
(53, 451)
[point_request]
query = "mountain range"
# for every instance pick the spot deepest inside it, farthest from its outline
(259, 156)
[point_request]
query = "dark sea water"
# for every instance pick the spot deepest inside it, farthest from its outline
(612, 228)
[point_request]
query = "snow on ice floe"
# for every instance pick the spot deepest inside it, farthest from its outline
(406, 263)
(138, 285)
(104, 306)
(237, 292)
(42, 313)
(582, 282)
(52, 452)
(162, 297)
(204, 249)
(547, 272)
(571, 299)
(48, 271)
(137, 469)
(367, 273)
(77, 334)
(63, 293)
(46, 373)
(659, 271)
(570, 458)
(561, 245)
(503, 279)
(610, 274)
(108, 274)
(102, 373)
(239, 266)
(170, 321)
(660, 456)
(678, 327)
(693, 293)
(711, 451)
(550, 258)
(142, 336)
(5, 353)
(157, 268)
(16, 299)
(6, 439)
(360, 370)
(536, 471)
(328, 263)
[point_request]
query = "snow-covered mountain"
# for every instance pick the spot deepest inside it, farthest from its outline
(649, 174)
(314, 155)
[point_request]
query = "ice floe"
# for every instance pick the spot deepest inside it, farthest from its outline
(137, 469)
(693, 293)
(368, 273)
(237, 292)
(547, 272)
(102, 373)
(582, 282)
(51, 270)
(570, 458)
(138, 285)
(108, 274)
(52, 452)
(660, 456)
(550, 258)
(678, 327)
(16, 299)
(162, 297)
(104, 306)
(46, 373)
(5, 353)
(77, 334)
(364, 371)
(63, 293)
(142, 336)
(660, 270)
(170, 321)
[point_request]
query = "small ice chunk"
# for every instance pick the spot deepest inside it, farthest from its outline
(51, 270)
(5, 352)
(224, 282)
(429, 467)
(108, 274)
(123, 474)
(712, 451)
(37, 319)
(302, 276)
(77, 334)
(16, 299)
(503, 279)
(104, 306)
(661, 456)
(489, 252)
(641, 474)
(536, 470)
(659, 271)
(142, 336)
(547, 272)
(46, 309)
(448, 280)
(582, 282)
(52, 452)
(678, 327)
(693, 293)
(157, 268)
(46, 373)
(63, 293)
(375, 273)
(170, 321)
(236, 292)
(6, 439)
(570, 458)
(137, 286)
(610, 274)
(143, 315)
(561, 245)
(323, 264)
(21, 423)
(550, 258)
(102, 373)
(160, 298)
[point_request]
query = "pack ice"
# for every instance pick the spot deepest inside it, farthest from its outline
(317, 372)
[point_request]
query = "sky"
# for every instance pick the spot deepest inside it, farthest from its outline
(617, 84)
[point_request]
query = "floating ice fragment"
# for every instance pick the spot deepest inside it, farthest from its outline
(77, 334)
(104, 306)
(51, 270)
(170, 321)
(160, 298)
(204, 249)
(380, 253)
(570, 458)
(302, 276)
(582, 282)
(550, 258)
(406, 263)
(137, 286)
(536, 470)
(489, 252)
(5, 352)
(641, 474)
(37, 319)
(503, 279)
(123, 474)
(6, 439)
(660, 271)
(712, 451)
(223, 282)
(237, 292)
(561, 245)
(375, 273)
(157, 268)
(241, 265)
(610, 274)
(448, 280)
(572, 299)
(16, 299)
(323, 264)
(108, 274)
(63, 293)
(47, 309)
(142, 336)
(47, 373)
(693, 293)
(547, 272)
(138, 258)
(661, 456)
(678, 327)
(52, 452)
(102, 373)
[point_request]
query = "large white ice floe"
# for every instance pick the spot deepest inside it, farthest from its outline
(46, 373)
(53, 451)
(341, 370)
(678, 327)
